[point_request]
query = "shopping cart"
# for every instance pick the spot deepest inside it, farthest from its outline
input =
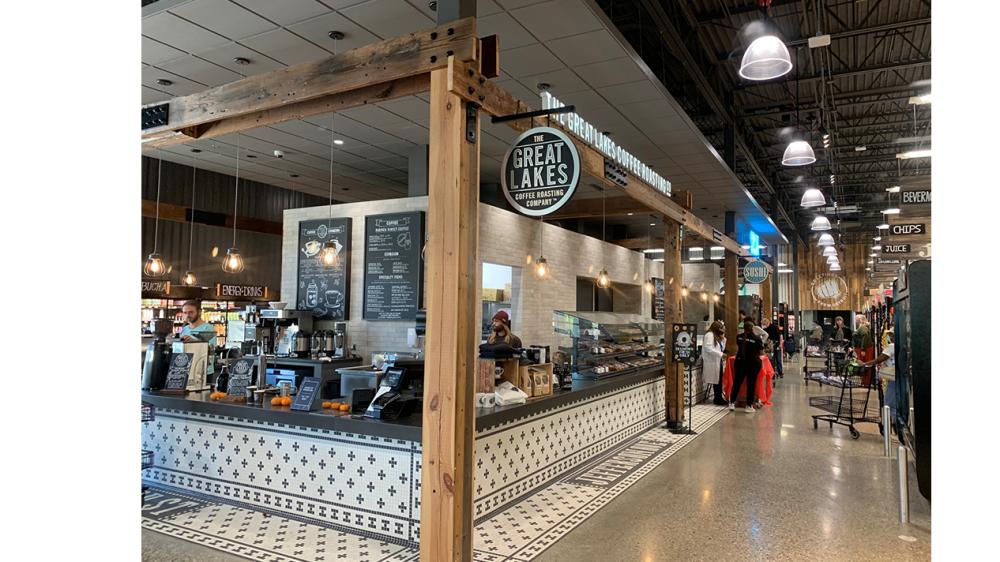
(853, 405)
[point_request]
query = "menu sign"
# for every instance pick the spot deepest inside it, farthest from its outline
(916, 197)
(241, 374)
(305, 399)
(540, 171)
(684, 343)
(895, 248)
(393, 268)
(323, 289)
(155, 288)
(658, 308)
(177, 375)
(907, 229)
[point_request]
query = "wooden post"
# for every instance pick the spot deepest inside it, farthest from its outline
(732, 301)
(446, 510)
(765, 297)
(673, 311)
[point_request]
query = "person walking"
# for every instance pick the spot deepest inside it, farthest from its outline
(864, 346)
(774, 339)
(712, 355)
(748, 349)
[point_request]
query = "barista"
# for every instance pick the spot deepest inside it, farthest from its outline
(197, 330)
(501, 331)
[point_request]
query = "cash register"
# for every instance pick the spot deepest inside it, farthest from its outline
(391, 401)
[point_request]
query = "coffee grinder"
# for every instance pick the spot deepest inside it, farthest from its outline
(156, 362)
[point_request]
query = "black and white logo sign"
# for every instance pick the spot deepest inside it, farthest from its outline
(907, 229)
(685, 344)
(755, 272)
(540, 171)
(896, 249)
(917, 197)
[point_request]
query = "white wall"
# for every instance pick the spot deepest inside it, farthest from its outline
(504, 238)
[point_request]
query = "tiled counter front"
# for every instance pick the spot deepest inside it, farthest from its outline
(363, 484)
(525, 454)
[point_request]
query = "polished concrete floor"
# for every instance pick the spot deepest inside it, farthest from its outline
(763, 486)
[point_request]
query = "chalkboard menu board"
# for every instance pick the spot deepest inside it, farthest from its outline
(177, 375)
(241, 374)
(325, 290)
(658, 313)
(393, 268)
(305, 399)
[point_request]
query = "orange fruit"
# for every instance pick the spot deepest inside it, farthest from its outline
(286, 401)
(326, 405)
(345, 407)
(276, 401)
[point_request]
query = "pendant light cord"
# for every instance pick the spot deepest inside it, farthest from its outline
(156, 223)
(194, 187)
(541, 236)
(333, 138)
(236, 200)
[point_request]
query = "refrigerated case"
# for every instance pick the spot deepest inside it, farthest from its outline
(606, 344)
(912, 307)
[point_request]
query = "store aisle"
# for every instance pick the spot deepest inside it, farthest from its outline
(763, 486)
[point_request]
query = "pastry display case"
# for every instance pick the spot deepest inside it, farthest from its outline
(606, 344)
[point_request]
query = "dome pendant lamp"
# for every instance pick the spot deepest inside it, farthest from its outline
(233, 262)
(812, 198)
(825, 240)
(154, 266)
(765, 59)
(798, 153)
(820, 223)
(829, 251)
(834, 267)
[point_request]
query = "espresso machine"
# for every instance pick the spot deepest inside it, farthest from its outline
(156, 361)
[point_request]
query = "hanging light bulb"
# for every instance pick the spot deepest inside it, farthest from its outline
(189, 278)
(820, 223)
(825, 240)
(813, 198)
(648, 285)
(541, 266)
(154, 266)
(798, 153)
(233, 262)
(765, 59)
(715, 297)
(328, 255)
(829, 251)
(684, 291)
(603, 280)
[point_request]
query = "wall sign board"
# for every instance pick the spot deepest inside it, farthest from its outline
(540, 172)
(324, 290)
(232, 291)
(895, 249)
(684, 344)
(155, 288)
(393, 268)
(907, 229)
(916, 197)
(658, 307)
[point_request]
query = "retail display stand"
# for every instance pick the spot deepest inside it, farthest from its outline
(684, 347)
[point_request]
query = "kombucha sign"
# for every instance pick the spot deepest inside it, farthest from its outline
(540, 171)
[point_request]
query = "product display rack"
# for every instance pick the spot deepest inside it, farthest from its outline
(607, 344)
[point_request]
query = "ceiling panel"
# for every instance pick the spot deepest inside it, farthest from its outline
(154, 52)
(180, 33)
(223, 55)
(285, 12)
(511, 33)
(317, 30)
(151, 95)
(180, 86)
(529, 60)
(285, 47)
(200, 70)
(412, 108)
(556, 18)
(610, 72)
(223, 17)
(563, 82)
(389, 18)
(585, 48)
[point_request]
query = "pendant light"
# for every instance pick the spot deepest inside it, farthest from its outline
(233, 262)
(829, 251)
(765, 59)
(154, 266)
(812, 198)
(835, 267)
(798, 153)
(825, 240)
(541, 264)
(649, 286)
(328, 255)
(603, 279)
(832, 259)
(820, 223)
(189, 278)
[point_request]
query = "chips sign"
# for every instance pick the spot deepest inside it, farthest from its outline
(540, 171)
(907, 229)
(755, 272)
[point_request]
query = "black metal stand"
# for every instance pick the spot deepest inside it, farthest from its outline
(689, 430)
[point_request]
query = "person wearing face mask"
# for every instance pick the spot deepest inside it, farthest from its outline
(501, 331)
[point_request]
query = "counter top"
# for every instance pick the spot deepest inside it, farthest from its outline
(409, 428)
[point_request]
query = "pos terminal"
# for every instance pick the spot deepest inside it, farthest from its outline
(390, 401)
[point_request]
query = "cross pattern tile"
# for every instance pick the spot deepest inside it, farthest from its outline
(259, 536)
(355, 482)
(521, 456)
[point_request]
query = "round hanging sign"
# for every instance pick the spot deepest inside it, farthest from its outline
(540, 171)
(755, 272)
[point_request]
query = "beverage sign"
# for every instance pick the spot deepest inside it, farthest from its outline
(323, 289)
(540, 171)
(755, 272)
(907, 229)
(241, 374)
(684, 343)
(177, 375)
(916, 197)
(895, 249)
(393, 268)
(240, 292)
(658, 307)
(155, 288)
(305, 399)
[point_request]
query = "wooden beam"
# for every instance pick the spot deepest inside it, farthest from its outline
(446, 510)
(318, 106)
(732, 301)
(408, 55)
(178, 213)
(470, 84)
(593, 208)
(673, 312)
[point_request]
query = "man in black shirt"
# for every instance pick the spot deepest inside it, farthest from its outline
(748, 349)
(773, 338)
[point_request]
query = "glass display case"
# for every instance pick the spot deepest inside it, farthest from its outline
(606, 344)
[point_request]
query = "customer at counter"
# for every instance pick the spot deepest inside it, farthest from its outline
(501, 331)
(197, 330)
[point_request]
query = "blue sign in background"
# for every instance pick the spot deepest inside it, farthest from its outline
(755, 272)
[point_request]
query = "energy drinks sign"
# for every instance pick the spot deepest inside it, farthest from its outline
(540, 171)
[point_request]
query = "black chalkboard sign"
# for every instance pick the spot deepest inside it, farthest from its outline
(241, 372)
(684, 342)
(393, 267)
(325, 290)
(305, 399)
(177, 375)
(658, 312)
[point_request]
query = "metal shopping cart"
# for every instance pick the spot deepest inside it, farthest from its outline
(853, 404)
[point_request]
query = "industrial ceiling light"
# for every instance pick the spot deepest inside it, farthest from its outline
(782, 264)
(653, 251)
(798, 153)
(893, 189)
(926, 153)
(812, 198)
(891, 211)
(829, 251)
(876, 248)
(784, 271)
(820, 223)
(876, 238)
(154, 266)
(920, 100)
(233, 262)
(765, 59)
(883, 226)
(825, 240)
(835, 267)
(832, 260)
